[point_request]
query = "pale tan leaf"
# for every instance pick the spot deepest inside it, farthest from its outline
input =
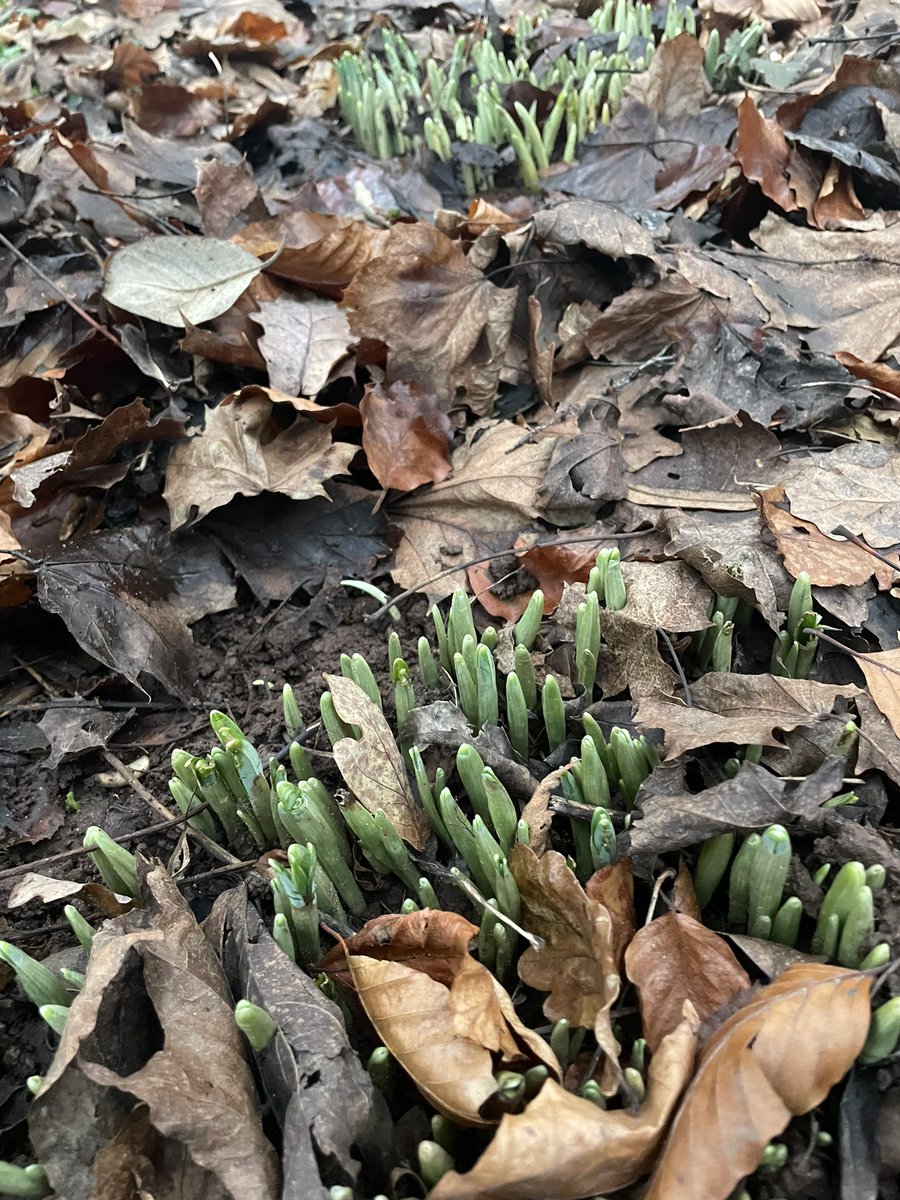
(566, 1148)
(373, 766)
(775, 1058)
(674, 959)
(577, 965)
(882, 672)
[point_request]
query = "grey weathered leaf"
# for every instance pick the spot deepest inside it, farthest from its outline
(172, 278)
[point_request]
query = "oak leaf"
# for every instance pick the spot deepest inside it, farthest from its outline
(373, 765)
(674, 959)
(565, 1147)
(775, 1058)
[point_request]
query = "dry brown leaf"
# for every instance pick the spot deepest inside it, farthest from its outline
(567, 1148)
(303, 342)
(777, 1057)
(764, 154)
(444, 323)
(242, 450)
(857, 486)
(441, 1014)
(577, 965)
(882, 672)
(613, 887)
(406, 436)
(492, 491)
(804, 547)
(738, 708)
(674, 959)
(373, 766)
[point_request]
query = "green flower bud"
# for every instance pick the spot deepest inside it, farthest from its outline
(739, 882)
(38, 982)
(460, 623)
(293, 718)
(82, 930)
(524, 669)
(884, 1033)
(117, 867)
(486, 686)
(768, 875)
(529, 623)
(24, 1181)
(434, 1163)
(55, 1015)
(428, 668)
(503, 813)
(517, 716)
(554, 712)
(255, 1023)
(712, 863)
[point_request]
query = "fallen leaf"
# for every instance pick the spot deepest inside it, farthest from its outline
(577, 965)
(173, 1049)
(775, 1058)
(406, 435)
(673, 818)
(764, 154)
(303, 342)
(416, 981)
(879, 746)
(373, 766)
(494, 486)
(178, 279)
(444, 323)
(71, 731)
(243, 450)
(674, 959)
(613, 888)
(882, 672)
(565, 1147)
(742, 709)
(827, 561)
(857, 486)
(330, 1113)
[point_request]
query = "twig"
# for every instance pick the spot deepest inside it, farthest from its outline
(824, 637)
(73, 304)
(678, 667)
(844, 532)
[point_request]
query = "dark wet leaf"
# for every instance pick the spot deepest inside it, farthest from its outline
(72, 731)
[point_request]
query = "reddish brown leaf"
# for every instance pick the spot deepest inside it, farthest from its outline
(882, 672)
(170, 110)
(406, 435)
(674, 959)
(764, 154)
(613, 887)
(777, 1057)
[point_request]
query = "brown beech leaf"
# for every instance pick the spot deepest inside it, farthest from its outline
(738, 708)
(444, 323)
(373, 766)
(565, 1147)
(613, 887)
(775, 1058)
(764, 154)
(243, 450)
(577, 965)
(674, 959)
(441, 1014)
(882, 672)
(827, 561)
(406, 435)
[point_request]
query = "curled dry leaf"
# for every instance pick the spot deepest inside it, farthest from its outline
(577, 965)
(373, 766)
(567, 1148)
(674, 959)
(406, 436)
(777, 1057)
(882, 672)
(613, 887)
(442, 1015)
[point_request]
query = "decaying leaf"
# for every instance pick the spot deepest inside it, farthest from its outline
(567, 1148)
(777, 1057)
(153, 1029)
(178, 279)
(738, 708)
(304, 340)
(613, 887)
(406, 436)
(577, 965)
(442, 1015)
(674, 959)
(373, 766)
(244, 450)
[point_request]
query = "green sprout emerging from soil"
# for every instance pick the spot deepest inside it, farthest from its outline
(395, 103)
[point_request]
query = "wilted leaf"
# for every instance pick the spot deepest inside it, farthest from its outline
(777, 1057)
(373, 767)
(172, 1047)
(303, 341)
(738, 708)
(417, 982)
(406, 436)
(178, 279)
(673, 818)
(492, 489)
(567, 1148)
(330, 1113)
(119, 594)
(674, 959)
(444, 323)
(882, 672)
(243, 450)
(577, 966)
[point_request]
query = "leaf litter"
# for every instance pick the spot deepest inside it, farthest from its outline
(256, 361)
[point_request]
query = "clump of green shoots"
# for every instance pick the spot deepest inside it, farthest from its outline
(394, 102)
(795, 646)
